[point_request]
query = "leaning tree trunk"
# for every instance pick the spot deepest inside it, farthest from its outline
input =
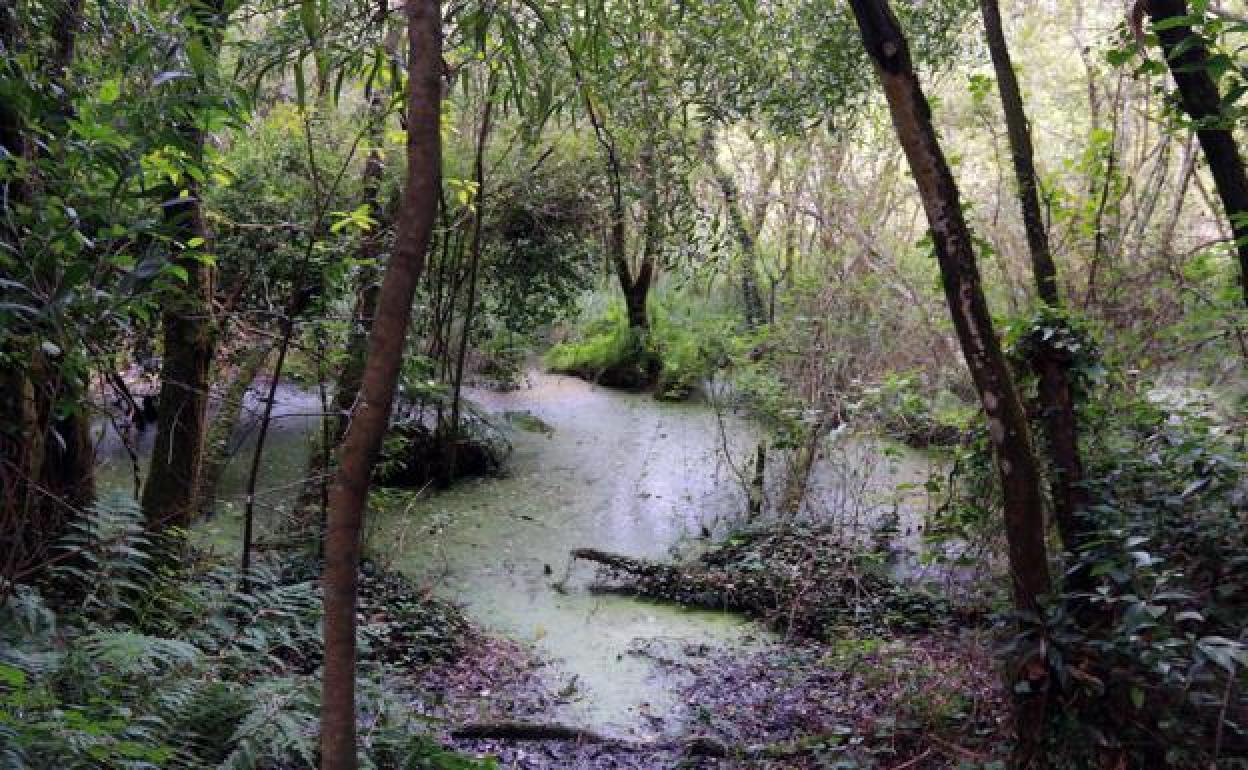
(1056, 397)
(1188, 58)
(360, 446)
(1018, 467)
(217, 442)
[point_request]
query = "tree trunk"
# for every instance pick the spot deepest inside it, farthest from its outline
(47, 462)
(752, 298)
(1057, 404)
(474, 249)
(1188, 59)
(189, 346)
(360, 446)
(189, 331)
(217, 443)
(1011, 440)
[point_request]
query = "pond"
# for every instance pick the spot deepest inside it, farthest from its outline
(618, 471)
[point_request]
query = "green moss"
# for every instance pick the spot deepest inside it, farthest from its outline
(607, 351)
(686, 342)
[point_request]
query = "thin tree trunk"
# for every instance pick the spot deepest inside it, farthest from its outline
(1186, 169)
(360, 446)
(751, 297)
(257, 454)
(1018, 467)
(1019, 133)
(315, 488)
(1056, 397)
(478, 220)
(1188, 59)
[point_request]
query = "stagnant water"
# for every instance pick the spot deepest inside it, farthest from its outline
(620, 472)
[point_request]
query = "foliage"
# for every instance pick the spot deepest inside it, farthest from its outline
(608, 351)
(689, 339)
(694, 339)
(541, 253)
(904, 409)
(1151, 658)
(182, 672)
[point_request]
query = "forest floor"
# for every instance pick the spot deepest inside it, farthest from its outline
(919, 701)
(898, 686)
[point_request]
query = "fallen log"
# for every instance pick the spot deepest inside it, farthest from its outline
(527, 731)
(699, 585)
(796, 580)
(695, 746)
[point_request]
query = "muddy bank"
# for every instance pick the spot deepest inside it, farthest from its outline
(930, 700)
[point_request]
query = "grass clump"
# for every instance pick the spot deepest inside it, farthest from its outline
(685, 344)
(607, 351)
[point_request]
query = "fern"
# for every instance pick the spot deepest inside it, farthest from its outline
(129, 654)
(153, 669)
(282, 725)
(106, 555)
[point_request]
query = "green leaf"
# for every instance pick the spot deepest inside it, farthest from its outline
(1175, 21)
(310, 17)
(110, 90)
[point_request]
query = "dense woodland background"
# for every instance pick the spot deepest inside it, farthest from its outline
(1015, 237)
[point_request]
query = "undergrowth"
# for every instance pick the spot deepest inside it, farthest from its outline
(688, 340)
(117, 662)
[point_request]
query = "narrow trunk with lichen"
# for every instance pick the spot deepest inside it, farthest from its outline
(751, 297)
(1052, 366)
(225, 424)
(1018, 467)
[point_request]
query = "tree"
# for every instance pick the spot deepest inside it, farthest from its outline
(1052, 365)
(188, 324)
(1017, 464)
(349, 492)
(46, 455)
(1188, 58)
(751, 297)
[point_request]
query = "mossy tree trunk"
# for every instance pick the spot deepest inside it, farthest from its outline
(751, 297)
(1018, 467)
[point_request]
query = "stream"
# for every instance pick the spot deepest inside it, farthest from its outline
(621, 472)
